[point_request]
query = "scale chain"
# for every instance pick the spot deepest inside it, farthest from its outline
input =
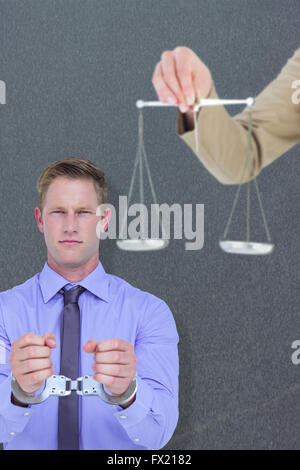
(141, 152)
(248, 192)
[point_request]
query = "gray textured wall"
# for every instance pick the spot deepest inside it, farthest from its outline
(74, 70)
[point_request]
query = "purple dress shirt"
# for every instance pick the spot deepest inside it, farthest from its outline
(110, 308)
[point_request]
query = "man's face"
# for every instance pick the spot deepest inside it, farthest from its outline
(69, 213)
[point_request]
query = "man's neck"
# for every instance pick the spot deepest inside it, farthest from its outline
(74, 273)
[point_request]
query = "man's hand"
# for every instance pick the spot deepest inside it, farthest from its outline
(115, 363)
(182, 77)
(30, 360)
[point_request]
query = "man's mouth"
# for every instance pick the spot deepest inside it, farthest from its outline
(70, 242)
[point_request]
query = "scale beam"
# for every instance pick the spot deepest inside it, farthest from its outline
(203, 102)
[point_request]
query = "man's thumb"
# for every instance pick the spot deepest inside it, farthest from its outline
(50, 339)
(90, 345)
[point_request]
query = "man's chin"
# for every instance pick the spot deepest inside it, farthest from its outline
(69, 258)
(70, 265)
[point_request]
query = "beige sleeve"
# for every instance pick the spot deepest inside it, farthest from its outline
(223, 140)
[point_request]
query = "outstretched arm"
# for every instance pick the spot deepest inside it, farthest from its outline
(223, 140)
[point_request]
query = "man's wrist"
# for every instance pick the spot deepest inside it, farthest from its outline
(188, 120)
(13, 398)
(16, 402)
(125, 405)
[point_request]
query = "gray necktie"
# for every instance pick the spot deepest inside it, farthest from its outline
(69, 367)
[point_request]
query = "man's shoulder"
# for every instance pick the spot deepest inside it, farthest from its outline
(20, 290)
(121, 287)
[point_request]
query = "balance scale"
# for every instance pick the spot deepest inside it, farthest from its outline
(245, 247)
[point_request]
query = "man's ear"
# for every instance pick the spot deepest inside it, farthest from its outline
(105, 220)
(39, 219)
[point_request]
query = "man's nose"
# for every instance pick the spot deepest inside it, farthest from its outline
(70, 222)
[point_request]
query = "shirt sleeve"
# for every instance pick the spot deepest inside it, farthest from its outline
(13, 418)
(223, 140)
(151, 419)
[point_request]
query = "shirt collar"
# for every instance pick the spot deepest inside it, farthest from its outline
(96, 282)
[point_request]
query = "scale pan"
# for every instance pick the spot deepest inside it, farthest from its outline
(147, 244)
(246, 248)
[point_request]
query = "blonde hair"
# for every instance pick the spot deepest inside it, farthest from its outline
(73, 168)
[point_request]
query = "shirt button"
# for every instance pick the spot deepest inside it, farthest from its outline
(26, 414)
(12, 433)
(136, 439)
(123, 416)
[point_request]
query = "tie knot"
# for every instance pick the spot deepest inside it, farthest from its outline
(71, 296)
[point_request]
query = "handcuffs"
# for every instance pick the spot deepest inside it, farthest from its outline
(61, 386)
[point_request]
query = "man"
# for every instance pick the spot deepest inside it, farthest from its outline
(180, 77)
(124, 332)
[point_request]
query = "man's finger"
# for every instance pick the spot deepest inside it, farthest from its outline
(114, 370)
(112, 357)
(50, 337)
(90, 346)
(113, 344)
(30, 339)
(161, 88)
(23, 354)
(32, 365)
(170, 76)
(183, 63)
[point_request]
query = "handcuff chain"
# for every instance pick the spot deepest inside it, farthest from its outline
(59, 385)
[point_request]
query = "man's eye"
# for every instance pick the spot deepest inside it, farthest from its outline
(84, 212)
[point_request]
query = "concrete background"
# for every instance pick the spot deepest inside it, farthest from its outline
(73, 71)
